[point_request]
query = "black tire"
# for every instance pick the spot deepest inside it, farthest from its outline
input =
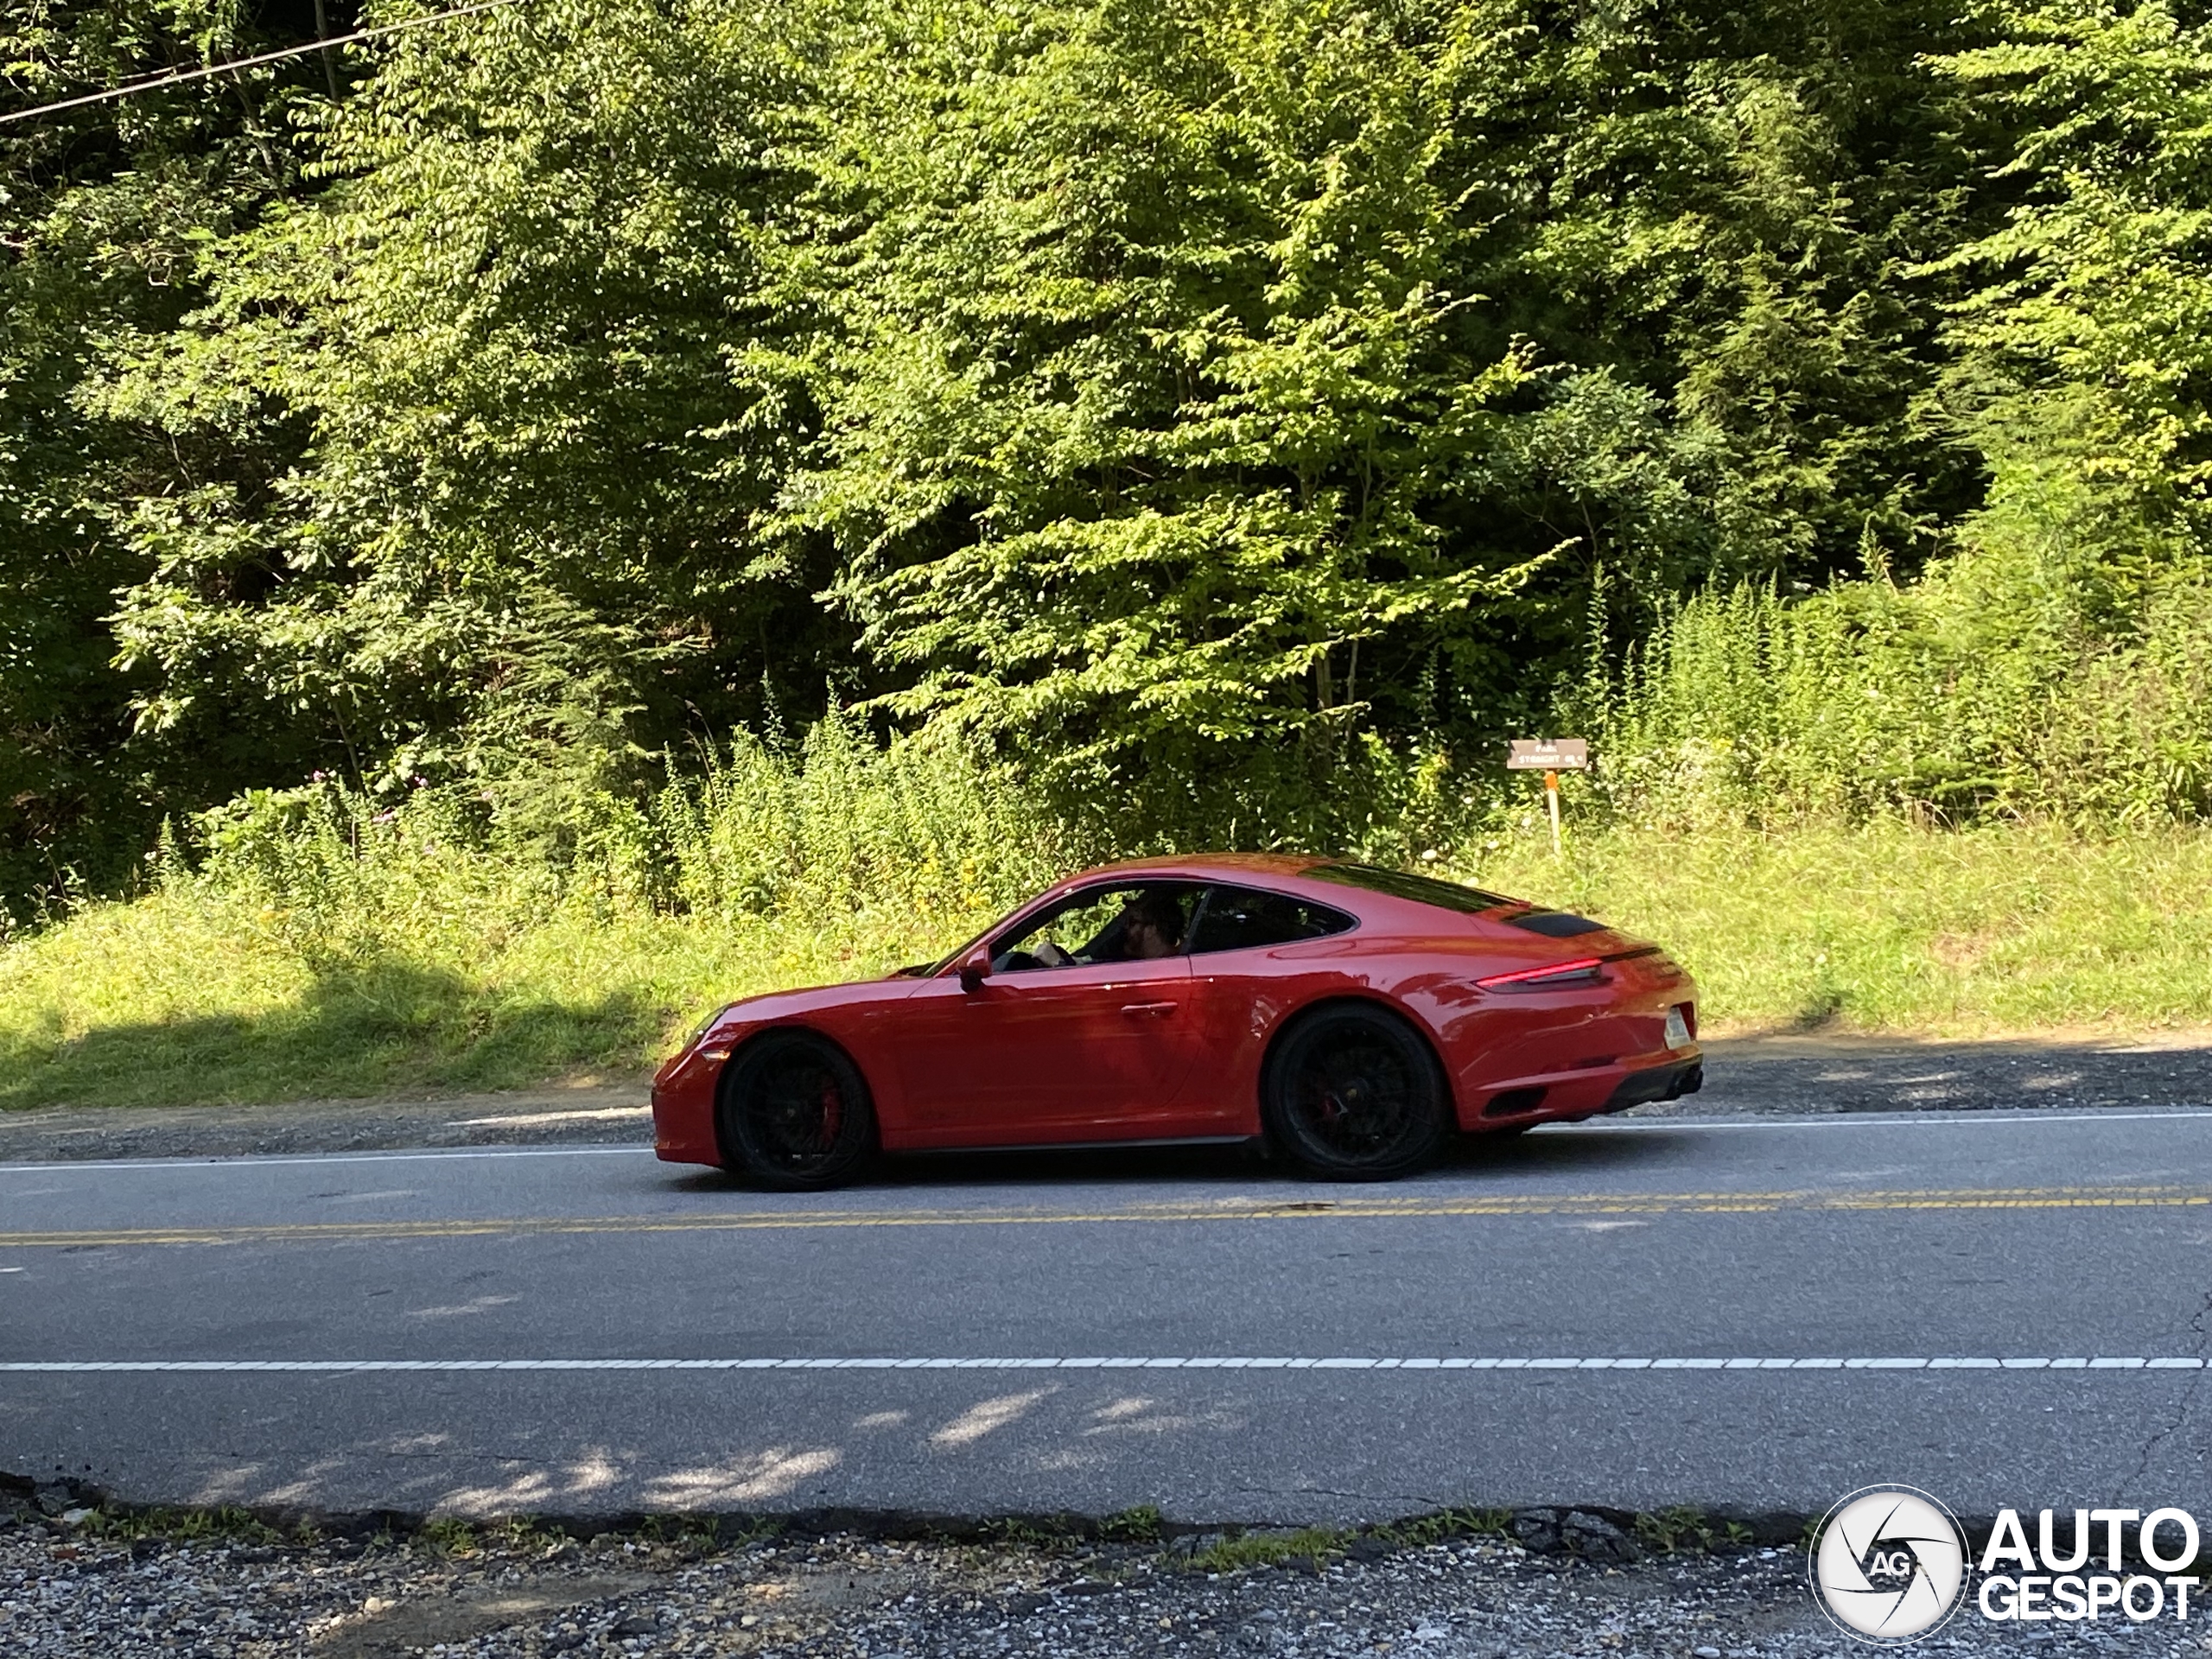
(795, 1114)
(1354, 1094)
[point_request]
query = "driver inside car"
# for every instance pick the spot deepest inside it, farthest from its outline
(1149, 926)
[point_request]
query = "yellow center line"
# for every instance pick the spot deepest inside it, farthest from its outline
(1587, 1203)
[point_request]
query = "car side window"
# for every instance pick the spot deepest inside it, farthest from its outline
(1247, 919)
(1130, 922)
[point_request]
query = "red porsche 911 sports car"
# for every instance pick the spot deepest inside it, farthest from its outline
(1353, 1016)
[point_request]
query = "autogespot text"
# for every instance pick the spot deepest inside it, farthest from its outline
(2047, 1583)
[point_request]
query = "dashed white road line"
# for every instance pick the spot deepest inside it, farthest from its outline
(1193, 1362)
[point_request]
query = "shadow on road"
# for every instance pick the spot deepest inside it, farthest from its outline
(1216, 1167)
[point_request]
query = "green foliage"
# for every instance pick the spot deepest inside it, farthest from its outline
(1883, 926)
(920, 828)
(449, 1535)
(1671, 1531)
(1211, 404)
(1140, 1525)
(1147, 412)
(1237, 1550)
(2085, 359)
(1237, 416)
(500, 403)
(105, 216)
(312, 942)
(1992, 686)
(225, 1524)
(1442, 1525)
(1324, 376)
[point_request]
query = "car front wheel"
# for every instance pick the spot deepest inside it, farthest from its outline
(795, 1114)
(1353, 1094)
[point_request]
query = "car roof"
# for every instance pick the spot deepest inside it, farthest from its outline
(1214, 865)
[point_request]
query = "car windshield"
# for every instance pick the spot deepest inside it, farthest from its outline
(1422, 889)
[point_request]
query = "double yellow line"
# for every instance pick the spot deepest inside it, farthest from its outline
(1596, 1205)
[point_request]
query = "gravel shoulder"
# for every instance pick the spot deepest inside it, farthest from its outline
(1760, 1074)
(92, 1588)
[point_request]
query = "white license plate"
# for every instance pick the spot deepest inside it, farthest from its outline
(1678, 1029)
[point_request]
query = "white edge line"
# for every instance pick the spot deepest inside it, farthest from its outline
(1867, 1120)
(1869, 1363)
(1616, 1126)
(1611, 1125)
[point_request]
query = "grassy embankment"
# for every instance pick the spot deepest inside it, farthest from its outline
(442, 970)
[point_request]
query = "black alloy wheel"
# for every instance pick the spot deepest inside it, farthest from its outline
(1353, 1094)
(795, 1114)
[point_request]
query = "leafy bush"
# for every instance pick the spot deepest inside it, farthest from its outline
(1990, 688)
(310, 940)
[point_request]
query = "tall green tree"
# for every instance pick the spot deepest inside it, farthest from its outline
(2085, 356)
(536, 335)
(1149, 407)
(104, 213)
(1213, 372)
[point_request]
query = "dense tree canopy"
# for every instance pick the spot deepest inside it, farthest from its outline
(1172, 394)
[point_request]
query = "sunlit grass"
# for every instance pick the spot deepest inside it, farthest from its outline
(444, 972)
(1884, 927)
(184, 996)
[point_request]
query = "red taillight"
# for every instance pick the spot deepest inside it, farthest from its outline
(1586, 971)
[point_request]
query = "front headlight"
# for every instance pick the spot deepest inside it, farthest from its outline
(704, 1027)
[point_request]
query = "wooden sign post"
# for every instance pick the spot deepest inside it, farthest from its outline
(1550, 756)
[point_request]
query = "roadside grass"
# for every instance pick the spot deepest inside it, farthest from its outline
(1270, 1549)
(2007, 929)
(1139, 1525)
(222, 1525)
(447, 970)
(1236, 1549)
(188, 995)
(1673, 1531)
(1125, 1536)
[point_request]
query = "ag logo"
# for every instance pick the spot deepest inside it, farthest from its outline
(1890, 1565)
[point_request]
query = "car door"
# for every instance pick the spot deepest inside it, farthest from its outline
(1245, 969)
(1096, 1046)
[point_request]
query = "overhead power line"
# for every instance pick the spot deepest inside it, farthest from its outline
(155, 83)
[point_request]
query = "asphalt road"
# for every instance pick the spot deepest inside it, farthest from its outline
(1749, 1315)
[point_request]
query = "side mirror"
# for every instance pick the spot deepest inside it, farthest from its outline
(976, 969)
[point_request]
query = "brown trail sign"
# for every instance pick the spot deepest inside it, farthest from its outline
(1551, 756)
(1548, 755)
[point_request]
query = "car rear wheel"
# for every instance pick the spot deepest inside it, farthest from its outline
(1353, 1094)
(795, 1114)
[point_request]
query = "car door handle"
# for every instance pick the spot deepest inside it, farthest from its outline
(1144, 1010)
